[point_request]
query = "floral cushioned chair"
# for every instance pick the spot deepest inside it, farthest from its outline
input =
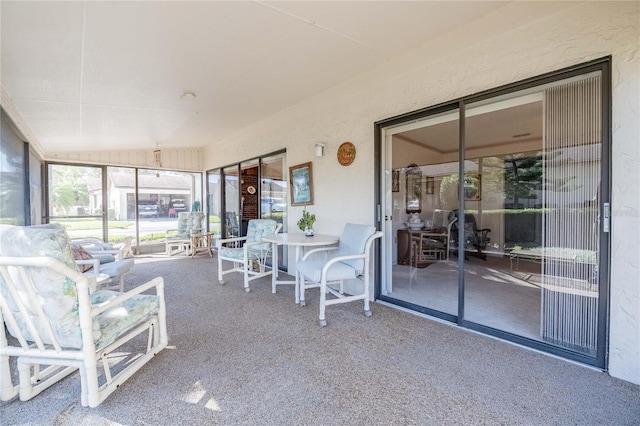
(253, 251)
(179, 240)
(46, 305)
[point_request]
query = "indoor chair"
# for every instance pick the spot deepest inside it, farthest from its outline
(179, 240)
(59, 326)
(473, 237)
(250, 258)
(350, 261)
(477, 238)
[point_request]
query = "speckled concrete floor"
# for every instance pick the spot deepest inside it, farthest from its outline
(258, 359)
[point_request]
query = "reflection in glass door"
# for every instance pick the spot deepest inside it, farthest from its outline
(231, 202)
(422, 166)
(534, 272)
(274, 195)
(492, 213)
(214, 209)
(249, 193)
(253, 189)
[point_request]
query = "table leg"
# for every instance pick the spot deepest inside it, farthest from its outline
(274, 267)
(299, 291)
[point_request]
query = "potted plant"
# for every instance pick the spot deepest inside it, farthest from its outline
(306, 222)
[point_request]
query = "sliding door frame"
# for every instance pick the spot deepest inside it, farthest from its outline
(602, 65)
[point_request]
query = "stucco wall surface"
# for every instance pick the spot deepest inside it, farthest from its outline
(518, 41)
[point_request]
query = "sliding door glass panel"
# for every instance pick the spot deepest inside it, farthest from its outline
(572, 167)
(35, 188)
(12, 175)
(274, 195)
(121, 210)
(214, 209)
(274, 189)
(532, 173)
(231, 202)
(421, 196)
(75, 199)
(249, 194)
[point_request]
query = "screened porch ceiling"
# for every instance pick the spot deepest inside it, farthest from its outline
(105, 76)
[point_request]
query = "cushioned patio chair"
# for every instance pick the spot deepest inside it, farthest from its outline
(98, 247)
(95, 257)
(179, 240)
(249, 259)
(59, 325)
(350, 261)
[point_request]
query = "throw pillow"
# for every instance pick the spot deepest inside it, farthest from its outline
(79, 253)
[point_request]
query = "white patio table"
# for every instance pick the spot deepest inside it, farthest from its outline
(299, 241)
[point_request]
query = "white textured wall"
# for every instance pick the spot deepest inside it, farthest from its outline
(519, 41)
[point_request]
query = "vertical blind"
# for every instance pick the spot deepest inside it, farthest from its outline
(571, 168)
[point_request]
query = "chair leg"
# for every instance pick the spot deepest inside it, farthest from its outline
(367, 311)
(220, 280)
(300, 289)
(7, 389)
(323, 299)
(246, 268)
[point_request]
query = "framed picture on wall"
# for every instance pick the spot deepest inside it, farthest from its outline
(301, 184)
(430, 185)
(395, 181)
(414, 189)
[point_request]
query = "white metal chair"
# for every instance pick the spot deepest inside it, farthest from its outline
(47, 306)
(350, 261)
(253, 252)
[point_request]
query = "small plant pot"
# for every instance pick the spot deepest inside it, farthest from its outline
(308, 232)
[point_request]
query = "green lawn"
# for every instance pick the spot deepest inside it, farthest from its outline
(90, 224)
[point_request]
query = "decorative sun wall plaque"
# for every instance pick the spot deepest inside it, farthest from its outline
(346, 153)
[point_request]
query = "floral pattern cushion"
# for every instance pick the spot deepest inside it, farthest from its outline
(256, 229)
(235, 253)
(57, 294)
(114, 322)
(188, 223)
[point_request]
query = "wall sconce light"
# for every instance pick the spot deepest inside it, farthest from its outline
(319, 149)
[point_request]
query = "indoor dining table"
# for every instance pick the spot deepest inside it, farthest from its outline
(299, 241)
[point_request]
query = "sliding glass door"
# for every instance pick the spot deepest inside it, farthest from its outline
(422, 157)
(496, 213)
(253, 189)
(231, 204)
(538, 201)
